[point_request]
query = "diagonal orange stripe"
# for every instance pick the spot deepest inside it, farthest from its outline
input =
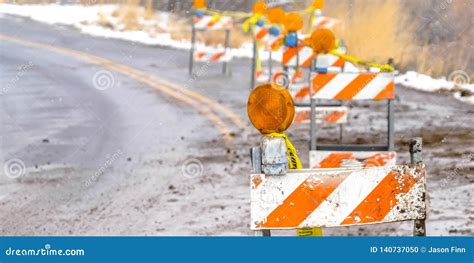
(378, 159)
(307, 62)
(355, 86)
(381, 200)
(211, 23)
(301, 116)
(387, 93)
(334, 160)
(261, 33)
(200, 54)
(302, 93)
(297, 76)
(217, 56)
(323, 23)
(320, 80)
(334, 116)
(339, 63)
(302, 202)
(288, 54)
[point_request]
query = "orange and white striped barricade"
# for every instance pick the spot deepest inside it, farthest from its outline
(205, 23)
(330, 63)
(212, 22)
(331, 159)
(300, 56)
(261, 33)
(324, 115)
(337, 197)
(352, 86)
(301, 93)
(211, 56)
(325, 22)
(263, 39)
(309, 198)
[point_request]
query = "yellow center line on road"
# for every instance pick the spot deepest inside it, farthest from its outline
(197, 101)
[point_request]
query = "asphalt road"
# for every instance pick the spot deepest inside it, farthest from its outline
(109, 153)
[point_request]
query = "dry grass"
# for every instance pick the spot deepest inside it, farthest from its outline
(377, 30)
(374, 30)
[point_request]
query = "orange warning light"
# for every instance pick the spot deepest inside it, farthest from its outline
(318, 4)
(293, 22)
(323, 40)
(270, 108)
(199, 4)
(260, 7)
(276, 15)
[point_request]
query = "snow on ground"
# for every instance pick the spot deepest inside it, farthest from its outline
(423, 82)
(86, 19)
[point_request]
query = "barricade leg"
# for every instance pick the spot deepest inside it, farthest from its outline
(416, 145)
(226, 48)
(254, 63)
(256, 157)
(191, 55)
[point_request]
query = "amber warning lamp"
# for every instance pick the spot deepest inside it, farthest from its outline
(276, 15)
(260, 8)
(199, 4)
(270, 108)
(323, 40)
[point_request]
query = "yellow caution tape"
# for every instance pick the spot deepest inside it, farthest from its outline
(216, 18)
(304, 11)
(250, 21)
(294, 160)
(309, 232)
(383, 68)
(311, 22)
(227, 13)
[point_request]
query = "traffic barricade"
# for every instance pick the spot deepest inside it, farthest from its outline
(311, 198)
(205, 23)
(352, 86)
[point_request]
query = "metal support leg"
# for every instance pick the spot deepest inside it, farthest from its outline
(254, 64)
(390, 127)
(416, 145)
(256, 157)
(312, 133)
(263, 233)
(341, 132)
(226, 48)
(270, 68)
(191, 54)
